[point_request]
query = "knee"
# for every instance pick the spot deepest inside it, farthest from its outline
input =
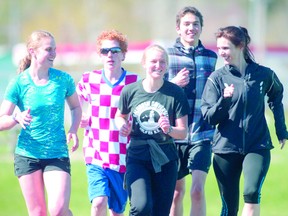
(99, 204)
(59, 207)
(139, 209)
(60, 211)
(179, 194)
(252, 196)
(37, 211)
(197, 192)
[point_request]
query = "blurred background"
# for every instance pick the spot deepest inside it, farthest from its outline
(76, 24)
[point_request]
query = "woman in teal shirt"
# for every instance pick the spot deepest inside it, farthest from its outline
(41, 154)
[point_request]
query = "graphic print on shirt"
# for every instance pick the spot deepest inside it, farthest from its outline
(147, 115)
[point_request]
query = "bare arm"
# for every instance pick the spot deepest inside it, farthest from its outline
(123, 124)
(76, 113)
(85, 117)
(179, 131)
(8, 121)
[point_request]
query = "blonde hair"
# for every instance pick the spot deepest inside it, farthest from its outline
(32, 43)
(154, 47)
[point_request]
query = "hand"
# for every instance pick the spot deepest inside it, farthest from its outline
(282, 143)
(164, 123)
(24, 118)
(182, 78)
(228, 91)
(75, 139)
(84, 121)
(126, 128)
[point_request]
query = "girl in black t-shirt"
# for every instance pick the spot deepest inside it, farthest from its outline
(159, 111)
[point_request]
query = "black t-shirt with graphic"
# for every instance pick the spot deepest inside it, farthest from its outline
(146, 108)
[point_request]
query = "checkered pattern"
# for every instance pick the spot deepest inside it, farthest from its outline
(201, 63)
(102, 144)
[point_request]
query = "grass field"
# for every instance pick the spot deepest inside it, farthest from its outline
(274, 193)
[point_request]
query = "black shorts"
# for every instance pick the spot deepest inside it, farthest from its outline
(193, 157)
(26, 165)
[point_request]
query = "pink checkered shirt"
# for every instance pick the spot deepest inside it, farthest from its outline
(102, 144)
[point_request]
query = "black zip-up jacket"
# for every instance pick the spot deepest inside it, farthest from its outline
(240, 120)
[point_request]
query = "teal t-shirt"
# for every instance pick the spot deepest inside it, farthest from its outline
(45, 137)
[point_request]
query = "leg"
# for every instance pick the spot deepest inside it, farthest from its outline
(30, 178)
(138, 182)
(163, 185)
(118, 195)
(112, 213)
(255, 168)
(98, 189)
(199, 161)
(250, 209)
(228, 168)
(99, 206)
(177, 204)
(32, 187)
(179, 193)
(197, 193)
(58, 187)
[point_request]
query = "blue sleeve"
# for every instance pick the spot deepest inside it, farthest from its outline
(71, 88)
(12, 91)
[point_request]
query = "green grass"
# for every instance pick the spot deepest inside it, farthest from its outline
(274, 192)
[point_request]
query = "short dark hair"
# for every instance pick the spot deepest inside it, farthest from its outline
(188, 9)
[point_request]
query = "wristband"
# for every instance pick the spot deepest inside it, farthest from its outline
(170, 130)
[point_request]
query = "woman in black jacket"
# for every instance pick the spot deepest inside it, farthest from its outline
(233, 99)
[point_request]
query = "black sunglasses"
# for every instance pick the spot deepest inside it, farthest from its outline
(113, 50)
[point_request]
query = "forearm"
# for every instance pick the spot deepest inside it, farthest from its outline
(178, 132)
(76, 114)
(7, 122)
(120, 121)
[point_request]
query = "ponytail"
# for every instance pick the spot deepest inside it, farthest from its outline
(24, 63)
(33, 43)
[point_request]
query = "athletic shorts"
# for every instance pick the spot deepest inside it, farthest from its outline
(25, 165)
(107, 182)
(193, 157)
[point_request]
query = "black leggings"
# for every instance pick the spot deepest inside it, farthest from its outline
(228, 168)
(150, 193)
